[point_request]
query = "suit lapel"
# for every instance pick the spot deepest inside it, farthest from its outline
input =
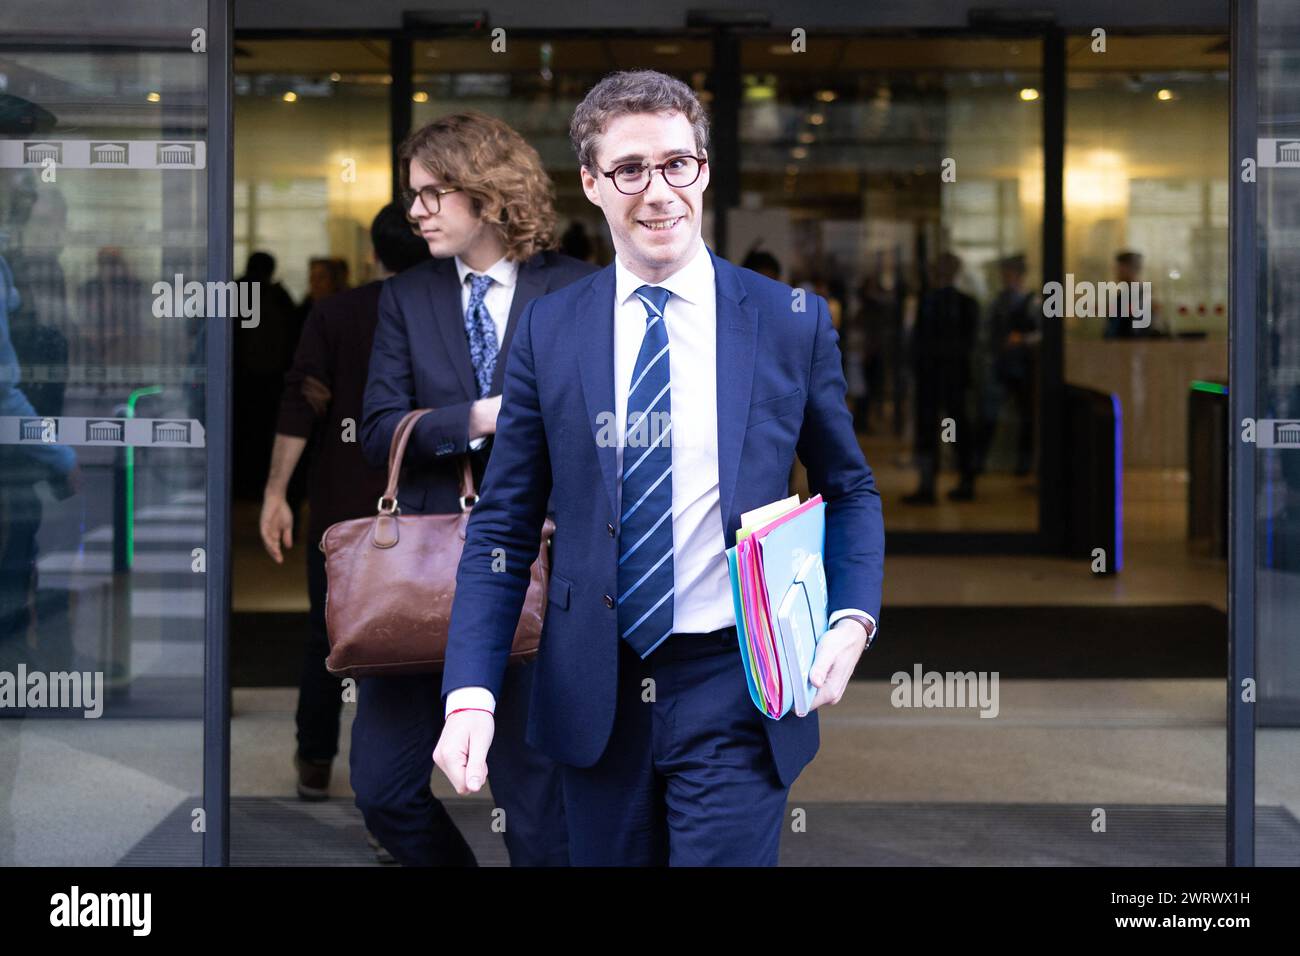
(737, 332)
(444, 295)
(530, 282)
(596, 369)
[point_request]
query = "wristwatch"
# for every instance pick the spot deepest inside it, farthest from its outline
(866, 623)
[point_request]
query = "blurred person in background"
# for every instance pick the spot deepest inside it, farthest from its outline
(762, 262)
(261, 355)
(1128, 268)
(1013, 329)
(943, 343)
(322, 404)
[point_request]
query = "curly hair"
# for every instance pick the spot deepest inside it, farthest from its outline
(499, 171)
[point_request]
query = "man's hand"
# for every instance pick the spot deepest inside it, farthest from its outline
(837, 654)
(276, 525)
(483, 416)
(462, 749)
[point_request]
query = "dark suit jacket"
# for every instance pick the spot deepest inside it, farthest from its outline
(780, 391)
(420, 359)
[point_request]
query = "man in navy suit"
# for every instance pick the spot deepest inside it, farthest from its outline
(481, 200)
(653, 403)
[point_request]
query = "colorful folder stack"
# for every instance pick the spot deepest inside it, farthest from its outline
(778, 586)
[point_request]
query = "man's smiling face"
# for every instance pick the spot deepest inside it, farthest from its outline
(655, 232)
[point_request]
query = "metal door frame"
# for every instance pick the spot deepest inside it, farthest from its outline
(1243, 376)
(217, 414)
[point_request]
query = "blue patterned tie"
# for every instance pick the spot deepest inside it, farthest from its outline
(481, 333)
(645, 563)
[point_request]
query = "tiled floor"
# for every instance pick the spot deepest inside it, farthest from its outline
(1095, 743)
(1090, 743)
(1054, 743)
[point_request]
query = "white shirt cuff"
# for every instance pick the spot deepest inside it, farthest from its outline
(845, 612)
(471, 697)
(475, 445)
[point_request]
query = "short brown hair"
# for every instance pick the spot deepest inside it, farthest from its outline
(497, 168)
(633, 91)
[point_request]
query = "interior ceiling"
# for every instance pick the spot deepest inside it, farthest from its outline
(687, 54)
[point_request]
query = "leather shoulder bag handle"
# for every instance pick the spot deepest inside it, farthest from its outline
(397, 452)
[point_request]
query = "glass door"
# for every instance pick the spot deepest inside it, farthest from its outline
(106, 159)
(902, 179)
(1264, 695)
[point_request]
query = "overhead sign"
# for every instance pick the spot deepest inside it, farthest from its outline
(103, 153)
(136, 432)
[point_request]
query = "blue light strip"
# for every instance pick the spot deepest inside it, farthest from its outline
(1119, 480)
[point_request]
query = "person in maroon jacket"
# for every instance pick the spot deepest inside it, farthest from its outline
(322, 402)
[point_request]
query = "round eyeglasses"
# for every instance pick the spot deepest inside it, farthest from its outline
(431, 196)
(633, 178)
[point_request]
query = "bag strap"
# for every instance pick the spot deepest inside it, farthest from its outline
(397, 451)
(406, 422)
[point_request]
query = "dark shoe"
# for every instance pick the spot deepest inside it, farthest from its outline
(963, 492)
(313, 778)
(382, 855)
(920, 498)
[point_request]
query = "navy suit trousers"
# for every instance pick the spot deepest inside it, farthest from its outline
(397, 725)
(687, 778)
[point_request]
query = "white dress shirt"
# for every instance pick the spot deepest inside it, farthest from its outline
(497, 300)
(701, 582)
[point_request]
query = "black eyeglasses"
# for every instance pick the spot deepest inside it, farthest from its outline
(633, 178)
(431, 196)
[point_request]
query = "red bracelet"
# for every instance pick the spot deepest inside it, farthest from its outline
(459, 709)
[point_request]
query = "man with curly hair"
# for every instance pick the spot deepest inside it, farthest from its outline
(478, 195)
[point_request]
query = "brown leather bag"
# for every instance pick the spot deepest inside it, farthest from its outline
(391, 579)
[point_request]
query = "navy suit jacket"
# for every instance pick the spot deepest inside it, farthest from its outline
(420, 359)
(780, 392)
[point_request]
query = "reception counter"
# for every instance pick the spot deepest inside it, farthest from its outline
(1151, 378)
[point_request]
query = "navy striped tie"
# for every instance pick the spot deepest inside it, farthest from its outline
(645, 563)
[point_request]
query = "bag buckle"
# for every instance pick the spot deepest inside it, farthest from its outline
(468, 501)
(392, 508)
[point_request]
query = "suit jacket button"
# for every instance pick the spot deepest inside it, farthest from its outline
(610, 529)
(609, 601)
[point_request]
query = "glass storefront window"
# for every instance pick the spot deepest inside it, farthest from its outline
(313, 159)
(103, 179)
(1146, 201)
(1146, 171)
(865, 162)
